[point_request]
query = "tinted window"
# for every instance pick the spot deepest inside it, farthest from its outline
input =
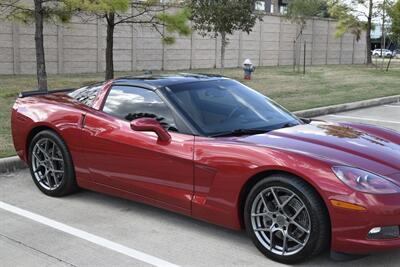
(129, 103)
(87, 94)
(225, 105)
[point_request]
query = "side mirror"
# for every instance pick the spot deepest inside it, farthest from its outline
(150, 125)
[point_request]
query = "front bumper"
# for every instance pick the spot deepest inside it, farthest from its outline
(350, 228)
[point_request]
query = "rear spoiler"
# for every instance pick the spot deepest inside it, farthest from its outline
(35, 93)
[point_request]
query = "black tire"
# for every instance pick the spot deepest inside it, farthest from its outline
(319, 237)
(68, 183)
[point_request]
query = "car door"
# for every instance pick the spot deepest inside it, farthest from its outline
(136, 162)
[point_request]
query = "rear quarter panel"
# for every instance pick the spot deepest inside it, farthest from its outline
(57, 112)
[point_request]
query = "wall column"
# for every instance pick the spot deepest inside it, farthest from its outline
(16, 53)
(341, 48)
(216, 52)
(279, 41)
(99, 46)
(134, 67)
(164, 50)
(327, 42)
(191, 51)
(260, 55)
(312, 42)
(240, 50)
(353, 52)
(60, 49)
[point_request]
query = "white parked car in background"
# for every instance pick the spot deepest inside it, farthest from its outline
(385, 52)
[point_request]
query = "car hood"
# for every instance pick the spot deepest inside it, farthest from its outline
(333, 143)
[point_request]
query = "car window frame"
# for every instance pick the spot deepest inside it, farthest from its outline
(94, 100)
(180, 124)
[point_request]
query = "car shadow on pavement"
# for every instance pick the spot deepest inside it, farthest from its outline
(239, 238)
(134, 223)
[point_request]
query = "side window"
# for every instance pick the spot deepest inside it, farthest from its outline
(130, 103)
(87, 94)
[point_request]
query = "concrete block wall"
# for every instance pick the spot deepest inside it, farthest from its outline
(79, 47)
(7, 55)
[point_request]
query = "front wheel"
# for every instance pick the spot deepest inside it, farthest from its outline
(51, 165)
(286, 219)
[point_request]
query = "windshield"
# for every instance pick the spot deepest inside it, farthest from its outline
(222, 106)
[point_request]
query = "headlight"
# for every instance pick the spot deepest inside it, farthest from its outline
(364, 181)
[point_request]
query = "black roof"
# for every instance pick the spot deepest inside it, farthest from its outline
(157, 81)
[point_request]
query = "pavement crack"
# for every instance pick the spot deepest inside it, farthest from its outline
(37, 250)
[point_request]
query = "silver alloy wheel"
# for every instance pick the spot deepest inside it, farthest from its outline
(47, 164)
(280, 221)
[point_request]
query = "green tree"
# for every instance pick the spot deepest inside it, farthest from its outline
(355, 16)
(300, 10)
(38, 13)
(222, 18)
(394, 14)
(150, 12)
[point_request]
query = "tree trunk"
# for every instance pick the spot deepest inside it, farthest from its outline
(223, 46)
(39, 45)
(368, 35)
(110, 46)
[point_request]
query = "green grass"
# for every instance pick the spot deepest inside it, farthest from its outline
(321, 86)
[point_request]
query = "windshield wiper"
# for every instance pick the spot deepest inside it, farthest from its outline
(306, 120)
(238, 132)
(288, 125)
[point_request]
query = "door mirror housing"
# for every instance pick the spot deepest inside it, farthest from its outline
(150, 125)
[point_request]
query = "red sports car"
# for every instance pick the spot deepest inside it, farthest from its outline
(211, 148)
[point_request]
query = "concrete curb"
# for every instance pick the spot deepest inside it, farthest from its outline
(14, 163)
(315, 112)
(11, 164)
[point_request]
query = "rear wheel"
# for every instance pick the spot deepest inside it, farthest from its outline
(51, 165)
(286, 219)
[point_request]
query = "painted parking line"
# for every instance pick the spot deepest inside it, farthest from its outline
(361, 118)
(138, 255)
(392, 106)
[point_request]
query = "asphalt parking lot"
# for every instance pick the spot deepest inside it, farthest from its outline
(92, 229)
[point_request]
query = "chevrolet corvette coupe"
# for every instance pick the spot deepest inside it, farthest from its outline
(212, 148)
